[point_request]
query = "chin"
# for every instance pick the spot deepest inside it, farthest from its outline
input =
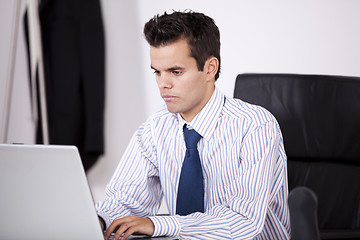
(171, 107)
(172, 110)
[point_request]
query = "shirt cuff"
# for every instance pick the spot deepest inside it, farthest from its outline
(106, 219)
(165, 226)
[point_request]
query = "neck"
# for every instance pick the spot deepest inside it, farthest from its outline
(189, 116)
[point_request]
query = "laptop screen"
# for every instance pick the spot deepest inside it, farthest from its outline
(45, 194)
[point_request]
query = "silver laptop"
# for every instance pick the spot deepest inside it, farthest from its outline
(44, 194)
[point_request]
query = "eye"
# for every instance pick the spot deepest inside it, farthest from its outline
(176, 72)
(157, 73)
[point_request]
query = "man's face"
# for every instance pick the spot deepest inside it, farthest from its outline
(183, 87)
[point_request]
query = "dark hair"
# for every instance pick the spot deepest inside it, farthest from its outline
(199, 30)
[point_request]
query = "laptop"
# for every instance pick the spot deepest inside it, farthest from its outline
(44, 194)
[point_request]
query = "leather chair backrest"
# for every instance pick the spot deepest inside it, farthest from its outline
(319, 116)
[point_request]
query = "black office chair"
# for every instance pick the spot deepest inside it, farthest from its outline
(303, 214)
(319, 117)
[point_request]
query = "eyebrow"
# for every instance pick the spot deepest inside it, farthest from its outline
(169, 69)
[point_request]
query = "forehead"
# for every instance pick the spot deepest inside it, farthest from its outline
(176, 53)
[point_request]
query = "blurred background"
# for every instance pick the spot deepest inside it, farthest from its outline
(306, 37)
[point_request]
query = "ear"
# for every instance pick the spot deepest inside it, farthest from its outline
(211, 67)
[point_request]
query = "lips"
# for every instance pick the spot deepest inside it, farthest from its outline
(168, 97)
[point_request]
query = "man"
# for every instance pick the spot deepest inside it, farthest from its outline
(243, 181)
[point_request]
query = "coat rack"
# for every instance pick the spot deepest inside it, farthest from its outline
(36, 66)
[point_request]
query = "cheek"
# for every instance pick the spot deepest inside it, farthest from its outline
(195, 89)
(195, 81)
(191, 84)
(191, 87)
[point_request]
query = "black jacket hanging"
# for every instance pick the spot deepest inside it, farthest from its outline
(73, 49)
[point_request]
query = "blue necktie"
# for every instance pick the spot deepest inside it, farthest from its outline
(190, 196)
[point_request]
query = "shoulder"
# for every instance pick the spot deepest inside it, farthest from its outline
(157, 124)
(160, 119)
(237, 109)
(162, 114)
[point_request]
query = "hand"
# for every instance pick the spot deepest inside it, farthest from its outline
(130, 225)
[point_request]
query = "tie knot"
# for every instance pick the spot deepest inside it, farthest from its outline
(191, 137)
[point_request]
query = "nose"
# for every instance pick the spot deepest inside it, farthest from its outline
(164, 81)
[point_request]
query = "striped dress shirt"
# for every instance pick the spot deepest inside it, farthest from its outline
(244, 169)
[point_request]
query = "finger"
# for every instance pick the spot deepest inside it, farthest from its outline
(128, 233)
(124, 231)
(133, 228)
(112, 228)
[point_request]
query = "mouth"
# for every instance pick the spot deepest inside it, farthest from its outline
(168, 98)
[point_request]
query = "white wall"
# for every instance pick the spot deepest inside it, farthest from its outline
(307, 36)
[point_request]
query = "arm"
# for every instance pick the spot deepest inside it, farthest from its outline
(134, 188)
(243, 212)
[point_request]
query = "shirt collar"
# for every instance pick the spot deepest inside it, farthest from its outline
(206, 120)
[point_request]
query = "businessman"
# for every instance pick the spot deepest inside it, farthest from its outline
(219, 163)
